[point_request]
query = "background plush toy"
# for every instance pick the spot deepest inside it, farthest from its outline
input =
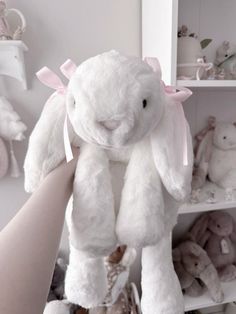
(196, 271)
(215, 232)
(11, 129)
(226, 59)
(4, 161)
(216, 157)
(122, 116)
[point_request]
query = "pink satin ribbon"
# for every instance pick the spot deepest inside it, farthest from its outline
(179, 95)
(51, 79)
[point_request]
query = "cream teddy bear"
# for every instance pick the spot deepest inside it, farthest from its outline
(120, 113)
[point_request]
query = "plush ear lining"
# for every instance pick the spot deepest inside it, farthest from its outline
(169, 145)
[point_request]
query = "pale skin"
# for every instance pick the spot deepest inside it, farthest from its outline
(29, 244)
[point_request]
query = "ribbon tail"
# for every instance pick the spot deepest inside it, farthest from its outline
(67, 144)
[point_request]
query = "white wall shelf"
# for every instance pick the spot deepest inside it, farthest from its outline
(213, 19)
(12, 60)
(204, 206)
(193, 303)
(207, 83)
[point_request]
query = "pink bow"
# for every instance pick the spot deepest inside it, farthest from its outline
(51, 79)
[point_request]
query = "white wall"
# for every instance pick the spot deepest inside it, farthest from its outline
(57, 30)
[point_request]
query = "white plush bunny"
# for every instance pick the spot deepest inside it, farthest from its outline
(120, 113)
(216, 157)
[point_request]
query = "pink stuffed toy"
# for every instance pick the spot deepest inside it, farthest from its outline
(215, 232)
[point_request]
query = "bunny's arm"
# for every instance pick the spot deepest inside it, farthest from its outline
(46, 148)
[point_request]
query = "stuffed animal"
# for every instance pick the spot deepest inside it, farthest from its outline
(195, 271)
(226, 60)
(4, 160)
(216, 233)
(11, 129)
(216, 157)
(119, 113)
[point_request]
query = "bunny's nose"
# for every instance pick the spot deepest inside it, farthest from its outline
(110, 124)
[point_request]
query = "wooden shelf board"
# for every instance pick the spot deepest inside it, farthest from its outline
(204, 206)
(193, 303)
(207, 83)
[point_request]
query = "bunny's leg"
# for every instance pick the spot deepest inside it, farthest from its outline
(161, 291)
(142, 206)
(91, 225)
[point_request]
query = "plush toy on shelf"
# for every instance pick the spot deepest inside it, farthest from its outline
(11, 129)
(225, 60)
(195, 271)
(215, 157)
(4, 160)
(216, 233)
(119, 112)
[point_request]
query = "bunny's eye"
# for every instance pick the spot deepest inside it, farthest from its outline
(196, 264)
(144, 103)
(226, 56)
(225, 137)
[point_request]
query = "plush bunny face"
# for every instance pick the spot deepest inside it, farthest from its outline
(225, 136)
(114, 100)
(194, 258)
(220, 224)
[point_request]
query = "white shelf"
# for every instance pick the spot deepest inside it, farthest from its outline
(204, 206)
(12, 60)
(193, 303)
(207, 83)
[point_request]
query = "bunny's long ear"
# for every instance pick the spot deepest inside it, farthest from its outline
(199, 229)
(45, 149)
(202, 158)
(172, 147)
(46, 146)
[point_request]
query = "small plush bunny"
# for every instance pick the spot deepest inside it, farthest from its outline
(216, 157)
(226, 59)
(215, 232)
(121, 115)
(196, 271)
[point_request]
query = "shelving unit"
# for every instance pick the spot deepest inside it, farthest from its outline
(207, 83)
(12, 61)
(213, 19)
(192, 303)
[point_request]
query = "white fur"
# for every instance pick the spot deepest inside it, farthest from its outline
(86, 282)
(106, 107)
(57, 307)
(222, 167)
(161, 292)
